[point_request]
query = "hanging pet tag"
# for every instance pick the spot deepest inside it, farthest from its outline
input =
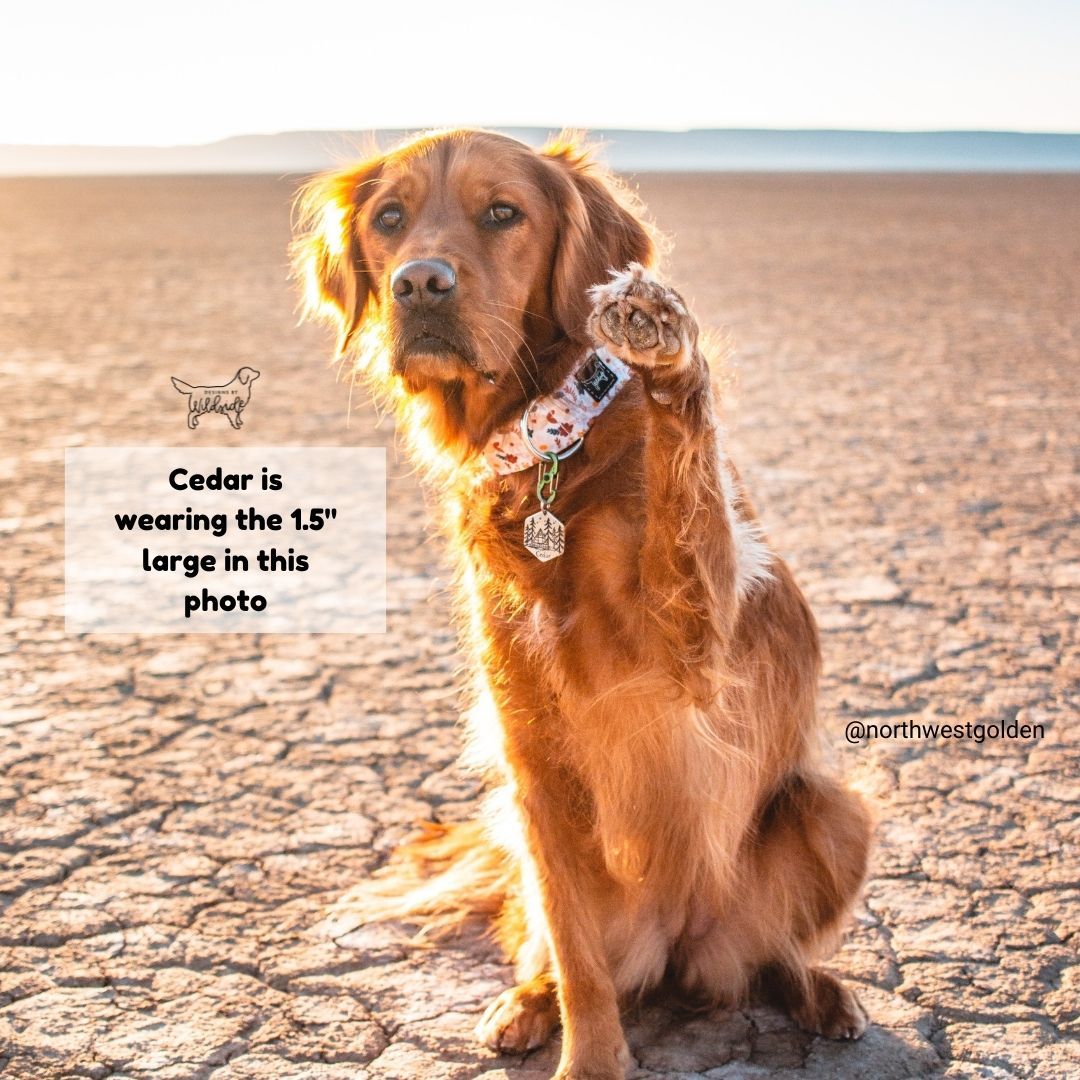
(545, 534)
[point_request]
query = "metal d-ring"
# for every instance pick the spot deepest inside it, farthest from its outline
(543, 455)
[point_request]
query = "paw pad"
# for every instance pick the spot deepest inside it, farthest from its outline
(640, 320)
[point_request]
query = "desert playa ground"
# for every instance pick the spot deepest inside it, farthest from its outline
(176, 813)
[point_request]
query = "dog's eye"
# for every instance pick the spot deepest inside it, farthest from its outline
(501, 214)
(390, 218)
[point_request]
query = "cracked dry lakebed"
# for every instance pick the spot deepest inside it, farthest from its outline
(176, 813)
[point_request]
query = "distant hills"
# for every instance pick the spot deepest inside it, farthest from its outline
(704, 150)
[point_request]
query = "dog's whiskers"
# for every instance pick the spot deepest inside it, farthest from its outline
(510, 334)
(495, 349)
(525, 311)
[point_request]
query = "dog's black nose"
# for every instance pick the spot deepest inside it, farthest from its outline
(423, 282)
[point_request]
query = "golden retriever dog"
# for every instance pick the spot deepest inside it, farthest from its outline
(645, 666)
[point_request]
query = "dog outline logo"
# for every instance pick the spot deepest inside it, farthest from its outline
(229, 400)
(595, 378)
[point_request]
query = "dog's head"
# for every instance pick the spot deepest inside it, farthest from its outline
(246, 375)
(468, 255)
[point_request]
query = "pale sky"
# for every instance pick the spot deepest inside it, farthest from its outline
(146, 73)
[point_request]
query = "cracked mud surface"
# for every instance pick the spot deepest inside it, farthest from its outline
(176, 813)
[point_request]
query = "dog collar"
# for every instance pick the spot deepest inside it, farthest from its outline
(557, 422)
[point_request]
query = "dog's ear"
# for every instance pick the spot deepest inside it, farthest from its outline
(599, 229)
(326, 254)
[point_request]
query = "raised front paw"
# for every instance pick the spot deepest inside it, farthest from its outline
(641, 321)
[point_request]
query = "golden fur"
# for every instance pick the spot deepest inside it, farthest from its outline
(645, 703)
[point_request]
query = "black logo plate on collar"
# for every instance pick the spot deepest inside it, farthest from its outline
(595, 378)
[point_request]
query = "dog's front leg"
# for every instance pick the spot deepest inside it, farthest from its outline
(560, 847)
(688, 561)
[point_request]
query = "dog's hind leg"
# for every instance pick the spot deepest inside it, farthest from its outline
(816, 1000)
(801, 870)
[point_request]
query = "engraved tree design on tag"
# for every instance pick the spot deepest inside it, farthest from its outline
(545, 535)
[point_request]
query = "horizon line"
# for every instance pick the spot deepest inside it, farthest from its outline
(554, 128)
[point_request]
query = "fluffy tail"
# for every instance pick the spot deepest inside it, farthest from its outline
(441, 878)
(182, 386)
